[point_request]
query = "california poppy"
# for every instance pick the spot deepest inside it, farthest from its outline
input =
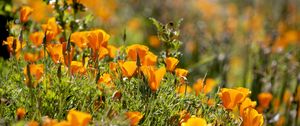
(14, 45)
(136, 49)
(171, 63)
(56, 52)
(105, 79)
(246, 104)
(184, 88)
(97, 38)
(195, 121)
(154, 76)
(77, 118)
(80, 39)
(52, 29)
(128, 68)
(112, 51)
(36, 71)
(77, 67)
(31, 57)
(21, 113)
(231, 97)
(134, 117)
(37, 38)
(25, 11)
(252, 118)
(181, 72)
(150, 59)
(207, 87)
(264, 99)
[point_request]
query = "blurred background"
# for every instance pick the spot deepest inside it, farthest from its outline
(249, 43)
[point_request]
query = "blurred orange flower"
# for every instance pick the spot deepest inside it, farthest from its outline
(77, 118)
(77, 67)
(21, 113)
(112, 51)
(52, 29)
(136, 49)
(207, 87)
(154, 41)
(32, 123)
(36, 71)
(37, 38)
(25, 11)
(195, 121)
(183, 88)
(128, 68)
(252, 118)
(171, 63)
(56, 52)
(264, 99)
(231, 97)
(134, 117)
(105, 79)
(31, 57)
(154, 76)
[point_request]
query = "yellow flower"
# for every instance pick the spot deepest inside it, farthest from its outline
(37, 38)
(56, 52)
(77, 118)
(246, 104)
(153, 75)
(252, 118)
(171, 63)
(136, 49)
(231, 97)
(264, 99)
(36, 71)
(128, 68)
(195, 121)
(21, 113)
(207, 87)
(134, 117)
(25, 11)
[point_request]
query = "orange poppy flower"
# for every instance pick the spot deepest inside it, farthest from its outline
(205, 88)
(36, 71)
(231, 97)
(154, 76)
(21, 113)
(112, 51)
(195, 121)
(52, 29)
(102, 52)
(252, 118)
(49, 122)
(181, 72)
(77, 67)
(136, 49)
(264, 99)
(31, 57)
(77, 118)
(128, 68)
(150, 59)
(134, 117)
(171, 63)
(105, 79)
(154, 41)
(14, 45)
(97, 38)
(56, 52)
(80, 39)
(25, 11)
(36, 38)
(184, 88)
(246, 104)
(32, 123)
